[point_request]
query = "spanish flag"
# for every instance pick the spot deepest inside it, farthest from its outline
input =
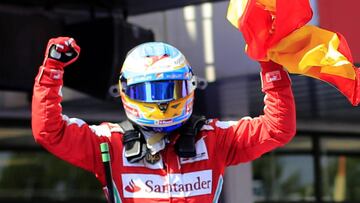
(276, 30)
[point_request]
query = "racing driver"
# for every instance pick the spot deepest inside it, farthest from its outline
(162, 153)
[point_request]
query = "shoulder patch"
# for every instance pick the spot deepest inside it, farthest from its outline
(70, 121)
(225, 124)
(105, 129)
(101, 130)
(114, 127)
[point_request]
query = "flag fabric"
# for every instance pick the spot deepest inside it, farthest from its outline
(264, 22)
(320, 54)
(276, 30)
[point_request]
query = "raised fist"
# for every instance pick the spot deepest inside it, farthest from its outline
(60, 52)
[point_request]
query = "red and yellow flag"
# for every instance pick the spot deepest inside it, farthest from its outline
(276, 30)
(264, 23)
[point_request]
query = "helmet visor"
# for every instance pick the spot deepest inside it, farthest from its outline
(159, 91)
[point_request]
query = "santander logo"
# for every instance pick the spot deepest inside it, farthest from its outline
(132, 187)
(171, 185)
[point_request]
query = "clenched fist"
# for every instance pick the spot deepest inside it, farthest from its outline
(60, 52)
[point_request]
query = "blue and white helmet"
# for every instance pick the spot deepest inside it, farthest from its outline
(157, 87)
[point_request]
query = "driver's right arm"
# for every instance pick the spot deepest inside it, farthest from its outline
(70, 139)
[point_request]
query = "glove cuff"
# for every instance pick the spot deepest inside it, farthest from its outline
(50, 63)
(48, 76)
(273, 76)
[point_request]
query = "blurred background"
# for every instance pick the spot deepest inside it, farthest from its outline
(322, 163)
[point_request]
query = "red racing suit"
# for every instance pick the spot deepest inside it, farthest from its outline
(172, 179)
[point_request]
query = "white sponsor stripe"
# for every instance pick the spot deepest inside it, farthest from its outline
(172, 185)
(218, 190)
(116, 193)
(225, 124)
(60, 91)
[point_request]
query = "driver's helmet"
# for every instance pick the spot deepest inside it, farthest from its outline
(157, 87)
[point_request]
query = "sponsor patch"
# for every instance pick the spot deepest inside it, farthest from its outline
(152, 159)
(172, 185)
(56, 74)
(142, 163)
(273, 76)
(159, 75)
(164, 122)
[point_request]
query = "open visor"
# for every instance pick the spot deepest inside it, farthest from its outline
(159, 91)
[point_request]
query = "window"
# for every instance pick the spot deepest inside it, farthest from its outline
(340, 163)
(313, 167)
(286, 174)
(30, 174)
(41, 176)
